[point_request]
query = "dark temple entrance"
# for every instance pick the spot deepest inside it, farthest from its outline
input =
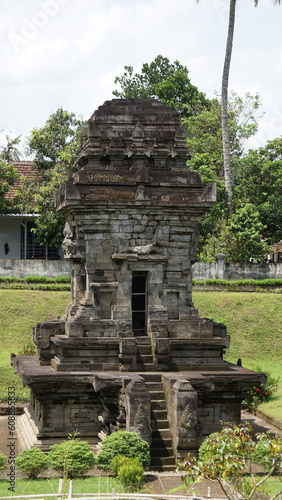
(139, 304)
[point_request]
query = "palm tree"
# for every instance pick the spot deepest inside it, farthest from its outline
(10, 152)
(224, 102)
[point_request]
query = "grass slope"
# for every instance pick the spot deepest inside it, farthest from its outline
(254, 324)
(20, 311)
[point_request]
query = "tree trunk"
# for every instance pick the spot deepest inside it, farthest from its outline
(224, 107)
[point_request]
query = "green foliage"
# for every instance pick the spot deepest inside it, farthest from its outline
(131, 475)
(239, 238)
(10, 151)
(129, 444)
(226, 455)
(118, 461)
(8, 176)
(55, 148)
(266, 283)
(163, 80)
(261, 393)
(71, 458)
(32, 462)
(35, 279)
(258, 181)
(3, 461)
(205, 143)
(60, 283)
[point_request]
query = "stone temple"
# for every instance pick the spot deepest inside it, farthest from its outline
(131, 351)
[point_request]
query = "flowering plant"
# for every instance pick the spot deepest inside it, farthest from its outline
(261, 393)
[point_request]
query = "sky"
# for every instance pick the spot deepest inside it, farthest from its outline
(66, 53)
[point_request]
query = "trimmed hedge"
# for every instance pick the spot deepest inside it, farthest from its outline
(232, 283)
(35, 279)
(58, 284)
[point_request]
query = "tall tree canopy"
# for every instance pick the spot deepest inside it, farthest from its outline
(258, 181)
(163, 80)
(54, 147)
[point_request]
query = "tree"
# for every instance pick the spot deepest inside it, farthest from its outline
(224, 102)
(163, 80)
(205, 144)
(55, 148)
(226, 455)
(10, 152)
(258, 182)
(8, 176)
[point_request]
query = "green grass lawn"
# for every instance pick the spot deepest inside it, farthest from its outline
(41, 486)
(254, 324)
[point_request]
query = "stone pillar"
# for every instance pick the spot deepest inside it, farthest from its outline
(184, 425)
(138, 408)
(220, 265)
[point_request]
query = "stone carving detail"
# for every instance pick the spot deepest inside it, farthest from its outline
(69, 244)
(142, 424)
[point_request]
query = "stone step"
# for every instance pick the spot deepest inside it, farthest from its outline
(158, 404)
(157, 425)
(144, 349)
(143, 340)
(162, 443)
(161, 452)
(152, 376)
(155, 387)
(159, 463)
(161, 434)
(156, 395)
(158, 415)
(143, 368)
(145, 359)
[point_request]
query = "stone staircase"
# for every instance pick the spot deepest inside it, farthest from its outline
(162, 457)
(144, 355)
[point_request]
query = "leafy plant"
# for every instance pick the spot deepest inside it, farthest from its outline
(71, 457)
(129, 444)
(32, 462)
(131, 475)
(226, 455)
(118, 461)
(261, 393)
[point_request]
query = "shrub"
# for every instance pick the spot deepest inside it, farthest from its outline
(71, 458)
(120, 461)
(32, 462)
(129, 444)
(261, 393)
(131, 475)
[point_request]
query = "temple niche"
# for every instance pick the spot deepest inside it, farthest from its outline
(131, 351)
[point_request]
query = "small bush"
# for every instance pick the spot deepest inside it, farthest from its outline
(32, 462)
(131, 475)
(128, 444)
(71, 458)
(261, 393)
(118, 462)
